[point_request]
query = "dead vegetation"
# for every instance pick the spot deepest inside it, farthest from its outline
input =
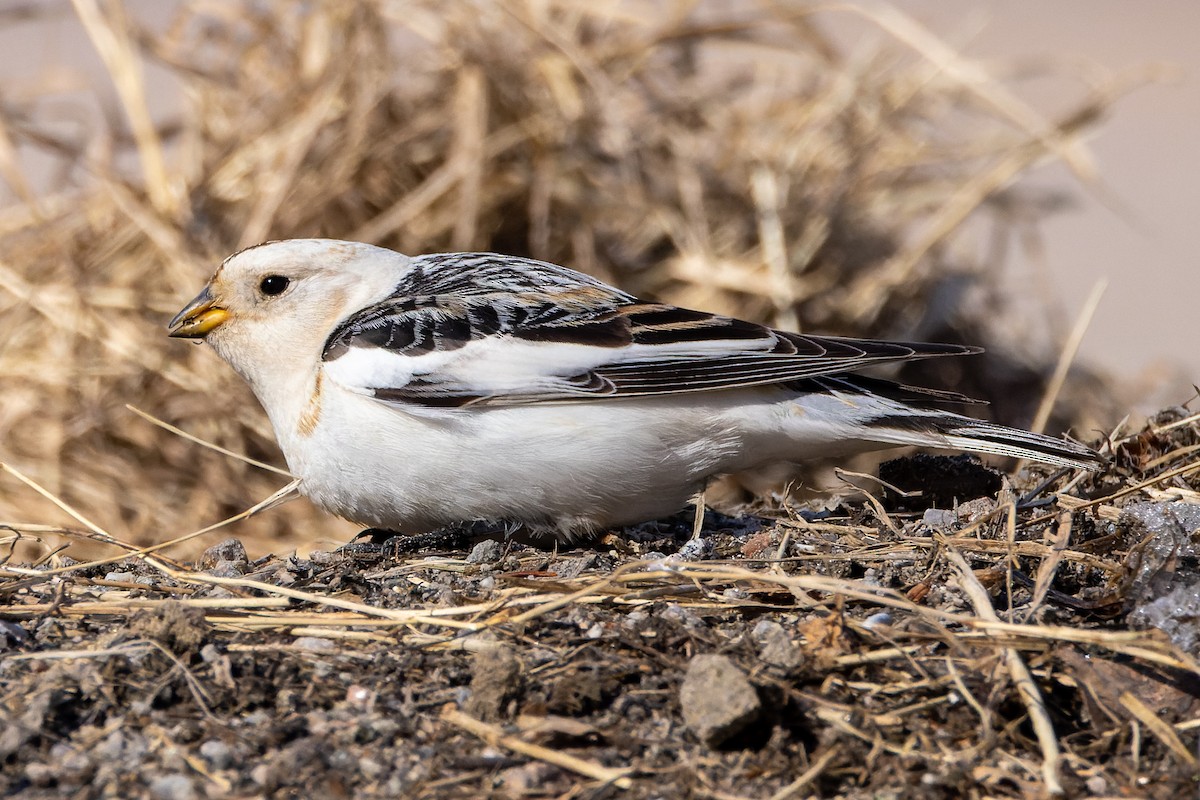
(742, 161)
(979, 650)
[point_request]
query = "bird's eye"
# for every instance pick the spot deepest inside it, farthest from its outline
(273, 285)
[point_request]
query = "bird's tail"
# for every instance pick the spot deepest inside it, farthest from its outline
(955, 432)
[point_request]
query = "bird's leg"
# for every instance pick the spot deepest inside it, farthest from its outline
(698, 519)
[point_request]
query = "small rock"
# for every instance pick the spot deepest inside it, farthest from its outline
(228, 550)
(527, 778)
(677, 613)
(216, 753)
(778, 649)
(39, 774)
(74, 768)
(383, 726)
(172, 787)
(486, 552)
(939, 519)
(261, 775)
(322, 558)
(571, 568)
(228, 569)
(880, 619)
(763, 629)
(257, 719)
(110, 749)
(718, 700)
(360, 698)
(314, 644)
(697, 549)
(119, 577)
(757, 544)
(635, 619)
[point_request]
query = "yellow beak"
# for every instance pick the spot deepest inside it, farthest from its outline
(197, 318)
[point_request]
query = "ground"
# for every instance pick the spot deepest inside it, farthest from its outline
(1001, 643)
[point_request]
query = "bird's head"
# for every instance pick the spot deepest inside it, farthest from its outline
(270, 307)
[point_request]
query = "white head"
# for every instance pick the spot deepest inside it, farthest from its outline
(268, 309)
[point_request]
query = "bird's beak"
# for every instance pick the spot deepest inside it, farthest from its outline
(198, 317)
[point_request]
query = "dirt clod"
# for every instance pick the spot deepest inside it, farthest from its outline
(717, 699)
(179, 628)
(495, 682)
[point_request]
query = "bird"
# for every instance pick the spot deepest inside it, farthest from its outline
(408, 394)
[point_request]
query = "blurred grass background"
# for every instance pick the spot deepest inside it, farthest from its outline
(737, 158)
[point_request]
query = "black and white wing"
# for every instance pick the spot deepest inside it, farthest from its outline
(479, 328)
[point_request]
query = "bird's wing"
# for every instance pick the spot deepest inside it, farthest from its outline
(485, 329)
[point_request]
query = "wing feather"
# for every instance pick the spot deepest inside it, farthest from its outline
(481, 328)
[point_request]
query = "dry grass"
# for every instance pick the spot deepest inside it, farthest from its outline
(912, 678)
(738, 161)
(742, 160)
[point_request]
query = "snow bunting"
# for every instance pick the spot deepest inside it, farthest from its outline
(413, 393)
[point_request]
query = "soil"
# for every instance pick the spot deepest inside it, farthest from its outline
(834, 654)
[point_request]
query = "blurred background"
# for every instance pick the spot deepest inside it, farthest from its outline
(963, 172)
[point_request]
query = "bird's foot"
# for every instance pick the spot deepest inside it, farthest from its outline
(383, 543)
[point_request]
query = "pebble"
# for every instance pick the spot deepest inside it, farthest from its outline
(261, 774)
(695, 550)
(39, 774)
(939, 519)
(777, 647)
(172, 787)
(676, 613)
(527, 778)
(314, 643)
(486, 552)
(880, 619)
(717, 699)
(216, 753)
(323, 558)
(229, 550)
(635, 619)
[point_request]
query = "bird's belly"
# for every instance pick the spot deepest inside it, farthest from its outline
(568, 467)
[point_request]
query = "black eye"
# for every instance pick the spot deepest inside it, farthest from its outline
(273, 284)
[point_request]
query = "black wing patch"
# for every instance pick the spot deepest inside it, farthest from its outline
(414, 326)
